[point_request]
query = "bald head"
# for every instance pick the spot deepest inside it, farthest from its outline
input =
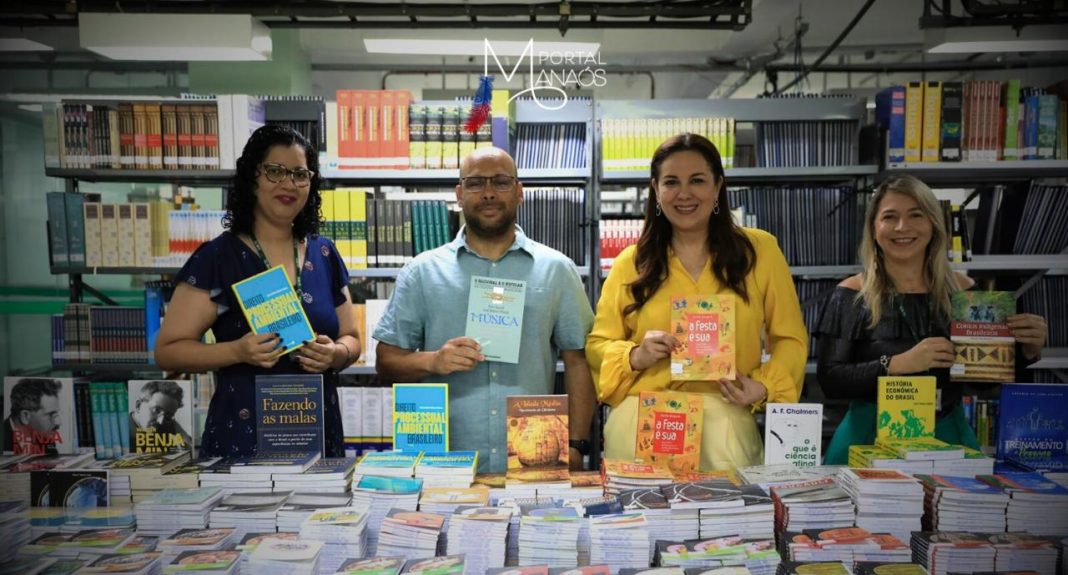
(488, 156)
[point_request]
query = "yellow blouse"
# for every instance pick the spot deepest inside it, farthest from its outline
(772, 306)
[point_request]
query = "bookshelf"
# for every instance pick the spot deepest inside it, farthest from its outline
(979, 172)
(736, 176)
(203, 178)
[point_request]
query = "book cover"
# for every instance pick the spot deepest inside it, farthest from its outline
(537, 438)
(704, 326)
(160, 415)
(932, 121)
(890, 113)
(913, 121)
(952, 128)
(906, 407)
(495, 316)
(793, 433)
(669, 430)
(125, 563)
(421, 417)
(39, 416)
(270, 305)
(449, 462)
(289, 414)
(444, 565)
(220, 561)
(1033, 423)
(77, 488)
(984, 344)
(372, 566)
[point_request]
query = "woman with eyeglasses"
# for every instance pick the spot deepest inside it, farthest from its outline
(690, 246)
(272, 219)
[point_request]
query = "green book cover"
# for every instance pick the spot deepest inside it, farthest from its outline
(495, 316)
(906, 407)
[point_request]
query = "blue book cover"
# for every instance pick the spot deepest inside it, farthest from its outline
(1033, 424)
(289, 414)
(421, 417)
(890, 114)
(395, 485)
(448, 460)
(332, 466)
(271, 305)
(276, 462)
(495, 316)
(387, 459)
(1025, 481)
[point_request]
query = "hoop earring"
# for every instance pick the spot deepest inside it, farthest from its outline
(715, 207)
(658, 210)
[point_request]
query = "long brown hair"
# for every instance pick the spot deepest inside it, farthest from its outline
(877, 288)
(733, 253)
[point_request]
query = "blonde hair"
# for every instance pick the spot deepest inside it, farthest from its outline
(940, 279)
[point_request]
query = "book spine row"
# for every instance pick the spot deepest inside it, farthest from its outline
(557, 146)
(627, 144)
(556, 217)
(366, 419)
(109, 417)
(99, 334)
(380, 233)
(437, 138)
(802, 144)
(372, 129)
(982, 416)
(615, 236)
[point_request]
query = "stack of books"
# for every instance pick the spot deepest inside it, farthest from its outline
(519, 508)
(145, 473)
(878, 457)
(449, 469)
(343, 530)
(808, 567)
(372, 566)
(248, 511)
(848, 545)
(756, 520)
(14, 528)
(887, 500)
(121, 517)
(1036, 504)
(813, 504)
(282, 557)
(380, 494)
(619, 541)
(300, 506)
(199, 540)
(878, 568)
(445, 501)
(15, 471)
(962, 504)
(447, 565)
(922, 448)
(149, 563)
(663, 521)
(205, 563)
(332, 475)
(250, 541)
(480, 534)
(549, 536)
(1023, 552)
(93, 543)
(774, 474)
(620, 476)
(221, 475)
(410, 534)
(758, 557)
(942, 552)
(385, 464)
(172, 509)
(973, 463)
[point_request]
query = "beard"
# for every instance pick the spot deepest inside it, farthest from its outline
(490, 229)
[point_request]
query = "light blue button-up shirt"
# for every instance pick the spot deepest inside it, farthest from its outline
(429, 307)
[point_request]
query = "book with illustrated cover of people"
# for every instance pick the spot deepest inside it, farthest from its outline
(669, 430)
(906, 407)
(982, 340)
(705, 329)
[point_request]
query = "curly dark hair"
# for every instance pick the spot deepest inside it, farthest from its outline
(241, 200)
(28, 391)
(733, 254)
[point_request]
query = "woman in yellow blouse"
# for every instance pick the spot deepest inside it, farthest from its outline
(690, 245)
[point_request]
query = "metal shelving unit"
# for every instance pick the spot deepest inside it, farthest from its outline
(216, 178)
(980, 172)
(1055, 358)
(758, 175)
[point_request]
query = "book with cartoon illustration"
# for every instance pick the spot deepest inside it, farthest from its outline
(906, 407)
(982, 340)
(704, 326)
(669, 430)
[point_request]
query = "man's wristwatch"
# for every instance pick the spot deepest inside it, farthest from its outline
(580, 445)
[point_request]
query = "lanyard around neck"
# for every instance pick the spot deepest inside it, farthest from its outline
(267, 263)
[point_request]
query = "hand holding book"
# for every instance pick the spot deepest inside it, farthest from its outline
(655, 346)
(458, 354)
(745, 392)
(259, 349)
(319, 354)
(931, 353)
(1030, 332)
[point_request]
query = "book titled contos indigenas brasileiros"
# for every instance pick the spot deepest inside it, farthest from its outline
(271, 305)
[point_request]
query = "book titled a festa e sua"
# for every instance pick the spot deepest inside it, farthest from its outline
(271, 305)
(982, 340)
(669, 430)
(704, 326)
(421, 417)
(495, 316)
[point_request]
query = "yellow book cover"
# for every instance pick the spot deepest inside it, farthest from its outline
(704, 327)
(326, 207)
(669, 430)
(906, 407)
(342, 225)
(913, 121)
(537, 438)
(358, 227)
(932, 120)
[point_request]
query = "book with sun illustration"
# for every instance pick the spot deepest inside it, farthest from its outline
(704, 327)
(982, 340)
(669, 430)
(271, 305)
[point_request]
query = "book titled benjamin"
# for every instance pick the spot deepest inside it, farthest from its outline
(793, 433)
(704, 326)
(39, 416)
(161, 416)
(669, 430)
(1033, 424)
(906, 407)
(271, 305)
(495, 316)
(289, 414)
(984, 344)
(421, 417)
(537, 438)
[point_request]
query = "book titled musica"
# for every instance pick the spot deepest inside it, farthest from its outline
(669, 430)
(271, 305)
(289, 414)
(906, 407)
(495, 316)
(982, 340)
(793, 434)
(421, 417)
(704, 327)
(538, 448)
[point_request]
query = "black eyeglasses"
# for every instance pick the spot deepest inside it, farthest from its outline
(276, 174)
(501, 183)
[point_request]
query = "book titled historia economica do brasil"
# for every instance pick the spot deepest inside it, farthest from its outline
(271, 305)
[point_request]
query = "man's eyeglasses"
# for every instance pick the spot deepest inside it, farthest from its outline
(500, 183)
(276, 174)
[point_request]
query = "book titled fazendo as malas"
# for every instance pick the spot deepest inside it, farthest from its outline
(495, 316)
(271, 305)
(289, 414)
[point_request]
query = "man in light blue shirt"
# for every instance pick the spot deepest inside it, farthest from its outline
(421, 334)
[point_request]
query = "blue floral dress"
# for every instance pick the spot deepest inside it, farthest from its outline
(230, 429)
